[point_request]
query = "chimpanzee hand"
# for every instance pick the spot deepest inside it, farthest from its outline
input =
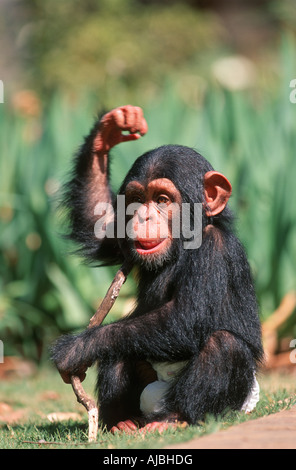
(126, 118)
(66, 376)
(68, 355)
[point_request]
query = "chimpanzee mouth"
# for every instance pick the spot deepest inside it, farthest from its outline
(148, 246)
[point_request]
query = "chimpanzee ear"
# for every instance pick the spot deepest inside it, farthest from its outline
(217, 192)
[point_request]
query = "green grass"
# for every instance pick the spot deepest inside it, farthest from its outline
(45, 393)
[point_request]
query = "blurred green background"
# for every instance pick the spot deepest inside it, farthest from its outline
(214, 75)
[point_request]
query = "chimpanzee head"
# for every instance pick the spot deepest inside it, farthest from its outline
(158, 188)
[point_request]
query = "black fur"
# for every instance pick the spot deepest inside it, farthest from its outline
(199, 306)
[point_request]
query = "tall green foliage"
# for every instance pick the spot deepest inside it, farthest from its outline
(250, 137)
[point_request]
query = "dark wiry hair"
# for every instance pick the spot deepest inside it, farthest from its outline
(200, 307)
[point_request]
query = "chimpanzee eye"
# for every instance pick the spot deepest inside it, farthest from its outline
(162, 200)
(135, 198)
(138, 199)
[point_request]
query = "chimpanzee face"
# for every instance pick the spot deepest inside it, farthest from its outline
(152, 208)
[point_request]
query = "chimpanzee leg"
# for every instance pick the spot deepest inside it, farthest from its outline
(119, 387)
(219, 378)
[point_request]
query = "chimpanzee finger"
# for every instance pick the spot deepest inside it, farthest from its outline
(144, 127)
(156, 426)
(138, 115)
(66, 377)
(141, 124)
(130, 425)
(129, 137)
(130, 118)
(118, 115)
(127, 426)
(135, 121)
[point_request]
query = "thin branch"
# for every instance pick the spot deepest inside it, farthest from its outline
(106, 305)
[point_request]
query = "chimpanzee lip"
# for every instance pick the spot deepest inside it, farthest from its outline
(148, 246)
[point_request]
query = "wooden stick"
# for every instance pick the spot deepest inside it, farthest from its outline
(270, 331)
(281, 314)
(96, 320)
(111, 295)
(90, 406)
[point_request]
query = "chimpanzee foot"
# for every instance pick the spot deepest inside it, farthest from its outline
(130, 427)
(161, 426)
(127, 426)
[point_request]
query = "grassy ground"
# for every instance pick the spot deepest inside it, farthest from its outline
(31, 400)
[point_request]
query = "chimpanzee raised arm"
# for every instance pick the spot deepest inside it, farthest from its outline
(90, 181)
